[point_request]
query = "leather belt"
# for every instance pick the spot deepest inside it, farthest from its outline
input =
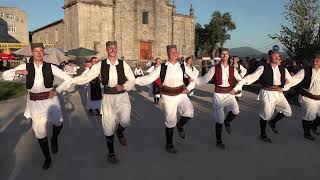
(112, 90)
(271, 88)
(39, 96)
(307, 94)
(223, 90)
(171, 91)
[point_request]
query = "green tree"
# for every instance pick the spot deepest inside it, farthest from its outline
(217, 30)
(200, 39)
(300, 36)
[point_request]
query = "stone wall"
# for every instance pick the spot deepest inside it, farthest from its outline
(17, 18)
(53, 34)
(184, 31)
(95, 26)
(90, 23)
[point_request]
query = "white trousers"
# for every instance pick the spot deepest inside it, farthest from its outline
(222, 102)
(172, 104)
(42, 112)
(116, 109)
(310, 108)
(39, 125)
(271, 101)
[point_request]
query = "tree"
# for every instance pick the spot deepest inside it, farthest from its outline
(217, 30)
(301, 35)
(200, 39)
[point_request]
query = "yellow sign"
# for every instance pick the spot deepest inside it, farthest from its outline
(20, 45)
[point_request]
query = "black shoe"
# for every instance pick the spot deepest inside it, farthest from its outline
(123, 140)
(220, 145)
(90, 112)
(170, 149)
(309, 137)
(314, 130)
(54, 146)
(273, 127)
(46, 165)
(265, 139)
(98, 112)
(112, 158)
(182, 134)
(228, 128)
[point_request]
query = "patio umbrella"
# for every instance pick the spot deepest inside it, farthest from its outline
(55, 56)
(81, 52)
(26, 51)
(51, 55)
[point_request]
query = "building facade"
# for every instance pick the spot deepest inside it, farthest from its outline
(13, 25)
(50, 34)
(142, 28)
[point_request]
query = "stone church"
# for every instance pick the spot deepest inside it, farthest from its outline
(142, 28)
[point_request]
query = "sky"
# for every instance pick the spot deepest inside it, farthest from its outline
(255, 19)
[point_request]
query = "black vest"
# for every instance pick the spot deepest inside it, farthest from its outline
(105, 72)
(266, 78)
(46, 71)
(305, 83)
(163, 71)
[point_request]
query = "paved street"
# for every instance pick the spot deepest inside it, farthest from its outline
(83, 149)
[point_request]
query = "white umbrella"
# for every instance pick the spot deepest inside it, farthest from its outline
(26, 51)
(51, 55)
(55, 56)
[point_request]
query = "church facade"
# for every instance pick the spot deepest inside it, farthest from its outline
(142, 28)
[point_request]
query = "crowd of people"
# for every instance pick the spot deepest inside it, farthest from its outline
(109, 80)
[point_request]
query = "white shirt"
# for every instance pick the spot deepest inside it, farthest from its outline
(314, 84)
(251, 78)
(38, 85)
(113, 76)
(194, 70)
(225, 76)
(243, 71)
(41, 108)
(173, 78)
(138, 72)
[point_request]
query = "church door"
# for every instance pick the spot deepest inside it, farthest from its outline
(145, 50)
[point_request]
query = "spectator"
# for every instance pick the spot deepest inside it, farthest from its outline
(1, 64)
(138, 71)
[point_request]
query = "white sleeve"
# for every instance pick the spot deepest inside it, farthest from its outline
(130, 77)
(243, 71)
(251, 78)
(135, 71)
(85, 78)
(195, 71)
(287, 74)
(10, 75)
(207, 77)
(238, 78)
(150, 69)
(148, 79)
(191, 74)
(62, 75)
(294, 80)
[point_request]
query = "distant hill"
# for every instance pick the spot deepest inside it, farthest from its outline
(244, 52)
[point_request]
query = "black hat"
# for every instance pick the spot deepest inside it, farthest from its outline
(36, 45)
(273, 52)
(316, 55)
(223, 49)
(109, 43)
(171, 46)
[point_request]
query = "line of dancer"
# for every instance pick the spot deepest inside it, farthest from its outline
(175, 82)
